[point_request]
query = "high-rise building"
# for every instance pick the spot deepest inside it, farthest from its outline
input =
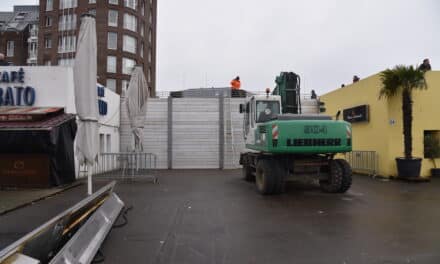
(19, 35)
(126, 37)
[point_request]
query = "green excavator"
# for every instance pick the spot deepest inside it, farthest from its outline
(287, 138)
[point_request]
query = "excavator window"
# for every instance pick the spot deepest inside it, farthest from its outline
(267, 110)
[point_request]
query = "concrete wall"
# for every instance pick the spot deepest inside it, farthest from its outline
(383, 133)
(195, 132)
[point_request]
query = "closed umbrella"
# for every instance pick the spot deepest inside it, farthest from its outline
(85, 74)
(137, 96)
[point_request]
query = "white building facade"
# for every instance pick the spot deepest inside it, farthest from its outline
(53, 86)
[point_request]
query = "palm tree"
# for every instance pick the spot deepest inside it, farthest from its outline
(403, 79)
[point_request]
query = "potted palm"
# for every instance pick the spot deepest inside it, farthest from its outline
(432, 151)
(403, 80)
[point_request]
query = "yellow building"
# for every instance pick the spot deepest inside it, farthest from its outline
(383, 131)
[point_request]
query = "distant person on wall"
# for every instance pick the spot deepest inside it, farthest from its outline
(2, 60)
(342, 85)
(355, 79)
(235, 83)
(426, 66)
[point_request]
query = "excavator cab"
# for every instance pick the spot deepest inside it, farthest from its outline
(259, 109)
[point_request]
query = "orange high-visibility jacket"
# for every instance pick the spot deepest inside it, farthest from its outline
(235, 84)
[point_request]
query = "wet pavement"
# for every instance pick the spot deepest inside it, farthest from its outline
(11, 199)
(211, 216)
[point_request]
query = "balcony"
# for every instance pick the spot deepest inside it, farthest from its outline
(33, 33)
(32, 61)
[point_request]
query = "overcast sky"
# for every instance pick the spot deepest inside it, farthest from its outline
(207, 43)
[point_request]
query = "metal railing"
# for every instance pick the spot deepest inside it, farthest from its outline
(363, 161)
(124, 166)
(166, 94)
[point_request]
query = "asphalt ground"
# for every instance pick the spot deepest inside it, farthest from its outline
(212, 216)
(11, 199)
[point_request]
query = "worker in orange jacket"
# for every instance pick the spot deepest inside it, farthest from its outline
(235, 83)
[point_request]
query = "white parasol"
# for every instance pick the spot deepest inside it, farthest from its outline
(87, 140)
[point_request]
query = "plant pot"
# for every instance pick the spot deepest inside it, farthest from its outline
(409, 168)
(435, 172)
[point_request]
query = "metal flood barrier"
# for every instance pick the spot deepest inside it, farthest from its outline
(125, 166)
(363, 161)
(73, 236)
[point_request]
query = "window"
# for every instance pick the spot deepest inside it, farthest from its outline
(68, 4)
(32, 51)
(48, 42)
(67, 22)
(92, 1)
(130, 22)
(131, 4)
(142, 50)
(111, 64)
(101, 143)
(92, 11)
(111, 84)
(266, 110)
(252, 112)
(431, 144)
(150, 55)
(20, 16)
(113, 18)
(49, 5)
(109, 143)
(143, 8)
(48, 21)
(113, 2)
(142, 29)
(129, 44)
(47, 63)
(33, 47)
(10, 49)
(149, 75)
(150, 36)
(112, 40)
(127, 65)
(66, 44)
(125, 84)
(150, 17)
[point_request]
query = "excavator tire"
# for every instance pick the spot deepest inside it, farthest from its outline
(334, 182)
(346, 175)
(247, 173)
(269, 177)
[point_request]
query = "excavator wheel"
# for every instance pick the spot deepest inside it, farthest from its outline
(346, 175)
(247, 173)
(269, 177)
(334, 182)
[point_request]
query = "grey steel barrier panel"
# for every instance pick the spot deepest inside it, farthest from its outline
(82, 247)
(41, 243)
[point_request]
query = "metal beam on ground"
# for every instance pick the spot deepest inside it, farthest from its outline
(84, 245)
(42, 244)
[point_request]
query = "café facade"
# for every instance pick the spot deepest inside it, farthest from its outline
(38, 125)
(377, 123)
